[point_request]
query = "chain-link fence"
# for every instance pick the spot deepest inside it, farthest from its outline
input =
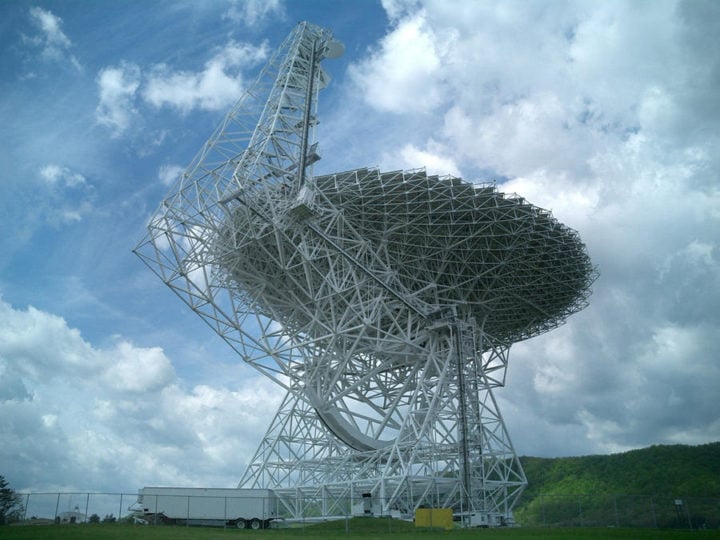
(170, 508)
(615, 510)
(77, 507)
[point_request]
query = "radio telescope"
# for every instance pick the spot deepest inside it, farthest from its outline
(384, 303)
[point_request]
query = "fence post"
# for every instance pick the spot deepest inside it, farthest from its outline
(120, 510)
(57, 505)
(580, 516)
(87, 505)
(347, 520)
(615, 506)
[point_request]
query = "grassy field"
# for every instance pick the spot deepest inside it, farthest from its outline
(357, 529)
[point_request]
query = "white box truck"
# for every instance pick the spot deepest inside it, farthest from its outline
(241, 508)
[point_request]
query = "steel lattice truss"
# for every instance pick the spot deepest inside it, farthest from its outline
(384, 303)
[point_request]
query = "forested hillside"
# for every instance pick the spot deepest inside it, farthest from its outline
(676, 470)
(652, 477)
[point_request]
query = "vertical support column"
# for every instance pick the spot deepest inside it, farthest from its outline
(502, 474)
(463, 443)
(491, 475)
(307, 115)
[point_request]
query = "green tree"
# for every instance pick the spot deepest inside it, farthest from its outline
(11, 507)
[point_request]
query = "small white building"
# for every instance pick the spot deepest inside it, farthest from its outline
(72, 516)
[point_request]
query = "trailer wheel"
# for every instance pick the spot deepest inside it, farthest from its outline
(240, 523)
(255, 524)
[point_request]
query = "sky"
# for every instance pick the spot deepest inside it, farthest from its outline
(606, 113)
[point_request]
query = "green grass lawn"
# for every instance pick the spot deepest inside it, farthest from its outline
(362, 528)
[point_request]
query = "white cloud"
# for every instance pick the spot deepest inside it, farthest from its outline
(115, 418)
(252, 12)
(395, 9)
(52, 41)
(435, 158)
(50, 25)
(508, 83)
(405, 74)
(65, 196)
(41, 346)
(521, 137)
(117, 87)
(220, 83)
(55, 174)
(168, 174)
(138, 370)
(70, 215)
(216, 87)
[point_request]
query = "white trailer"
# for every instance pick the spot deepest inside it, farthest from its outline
(241, 508)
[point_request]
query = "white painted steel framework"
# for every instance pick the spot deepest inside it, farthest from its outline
(384, 303)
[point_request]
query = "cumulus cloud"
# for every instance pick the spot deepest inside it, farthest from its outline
(138, 371)
(506, 82)
(216, 87)
(395, 9)
(54, 45)
(435, 158)
(117, 86)
(99, 414)
(124, 88)
(404, 73)
(518, 138)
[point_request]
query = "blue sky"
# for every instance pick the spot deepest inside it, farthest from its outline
(606, 113)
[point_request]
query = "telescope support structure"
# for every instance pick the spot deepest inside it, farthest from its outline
(383, 303)
(452, 450)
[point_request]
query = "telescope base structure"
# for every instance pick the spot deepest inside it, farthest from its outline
(451, 451)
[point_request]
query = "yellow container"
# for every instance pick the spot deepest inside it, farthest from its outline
(434, 517)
